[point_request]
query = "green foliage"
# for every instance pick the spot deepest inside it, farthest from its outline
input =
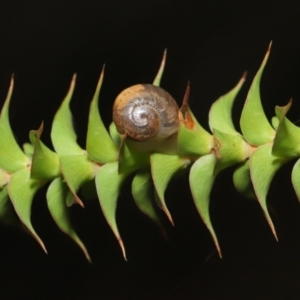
(109, 159)
(254, 124)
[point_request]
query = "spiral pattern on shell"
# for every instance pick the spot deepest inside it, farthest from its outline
(145, 111)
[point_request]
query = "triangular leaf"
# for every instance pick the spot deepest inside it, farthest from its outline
(201, 181)
(77, 170)
(163, 168)
(220, 112)
(45, 162)
(193, 139)
(263, 167)
(160, 72)
(12, 158)
(142, 192)
(21, 191)
(63, 135)
(254, 124)
(108, 185)
(242, 180)
(56, 200)
(100, 146)
(286, 142)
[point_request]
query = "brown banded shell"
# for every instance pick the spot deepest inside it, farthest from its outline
(145, 111)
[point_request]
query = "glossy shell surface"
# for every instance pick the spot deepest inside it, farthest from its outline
(145, 111)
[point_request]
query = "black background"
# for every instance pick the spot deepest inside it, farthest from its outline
(210, 43)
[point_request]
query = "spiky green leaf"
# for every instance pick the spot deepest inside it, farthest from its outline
(142, 192)
(56, 200)
(45, 162)
(242, 180)
(254, 124)
(193, 139)
(108, 185)
(286, 142)
(21, 190)
(160, 72)
(63, 135)
(263, 167)
(77, 170)
(100, 146)
(12, 158)
(201, 181)
(220, 112)
(163, 169)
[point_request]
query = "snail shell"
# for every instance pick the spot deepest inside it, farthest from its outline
(145, 111)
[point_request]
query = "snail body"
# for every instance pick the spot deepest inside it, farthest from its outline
(144, 111)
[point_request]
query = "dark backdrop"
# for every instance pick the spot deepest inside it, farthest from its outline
(210, 43)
